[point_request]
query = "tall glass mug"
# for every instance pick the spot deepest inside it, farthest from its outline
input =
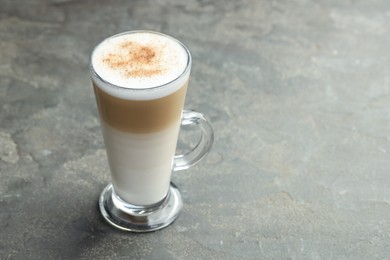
(140, 80)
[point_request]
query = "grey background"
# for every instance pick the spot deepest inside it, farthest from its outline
(297, 91)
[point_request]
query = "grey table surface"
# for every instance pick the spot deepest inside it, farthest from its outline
(298, 93)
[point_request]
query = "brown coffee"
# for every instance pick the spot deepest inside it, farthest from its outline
(140, 116)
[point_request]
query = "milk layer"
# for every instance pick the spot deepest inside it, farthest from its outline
(141, 164)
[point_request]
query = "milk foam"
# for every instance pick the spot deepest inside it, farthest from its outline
(138, 63)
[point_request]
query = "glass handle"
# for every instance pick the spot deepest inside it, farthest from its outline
(185, 161)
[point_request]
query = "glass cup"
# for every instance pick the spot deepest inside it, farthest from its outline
(140, 134)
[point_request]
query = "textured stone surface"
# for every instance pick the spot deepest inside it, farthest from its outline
(298, 93)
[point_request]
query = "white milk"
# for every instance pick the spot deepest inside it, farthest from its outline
(141, 164)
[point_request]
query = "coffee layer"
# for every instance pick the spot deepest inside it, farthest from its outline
(136, 116)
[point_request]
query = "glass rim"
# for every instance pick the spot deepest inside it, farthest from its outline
(95, 75)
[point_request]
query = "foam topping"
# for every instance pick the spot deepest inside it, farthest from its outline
(139, 60)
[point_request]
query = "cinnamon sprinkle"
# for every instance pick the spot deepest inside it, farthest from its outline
(135, 60)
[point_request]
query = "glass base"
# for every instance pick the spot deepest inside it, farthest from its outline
(133, 218)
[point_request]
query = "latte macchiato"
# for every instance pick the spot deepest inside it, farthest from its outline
(140, 82)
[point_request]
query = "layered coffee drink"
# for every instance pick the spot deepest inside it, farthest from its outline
(140, 82)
